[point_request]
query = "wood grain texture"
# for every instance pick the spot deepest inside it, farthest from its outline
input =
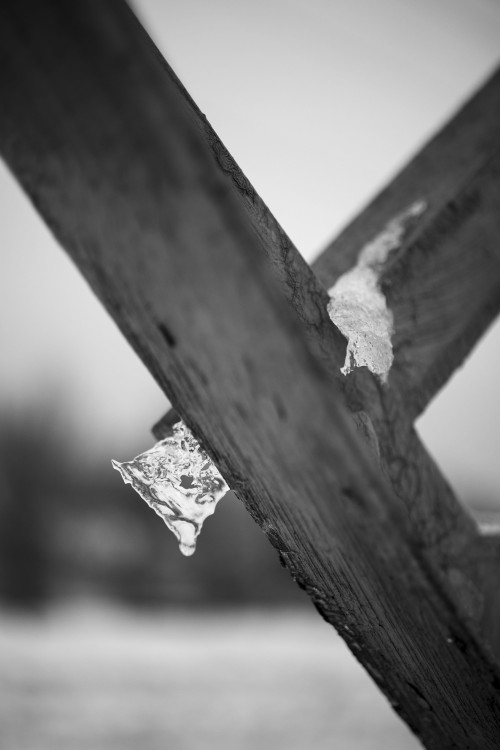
(122, 168)
(443, 286)
(385, 419)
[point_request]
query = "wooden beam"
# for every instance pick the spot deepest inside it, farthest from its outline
(443, 286)
(116, 160)
(384, 419)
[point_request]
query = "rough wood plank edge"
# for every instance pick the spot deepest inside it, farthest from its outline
(90, 136)
(443, 287)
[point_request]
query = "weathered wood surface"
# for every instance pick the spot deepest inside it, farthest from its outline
(117, 163)
(446, 532)
(385, 418)
(443, 286)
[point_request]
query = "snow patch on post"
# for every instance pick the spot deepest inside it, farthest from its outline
(357, 305)
(179, 482)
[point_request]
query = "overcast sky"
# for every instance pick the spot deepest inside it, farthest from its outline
(320, 102)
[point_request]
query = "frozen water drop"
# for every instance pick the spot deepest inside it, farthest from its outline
(179, 482)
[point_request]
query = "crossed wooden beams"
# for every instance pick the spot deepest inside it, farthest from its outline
(232, 323)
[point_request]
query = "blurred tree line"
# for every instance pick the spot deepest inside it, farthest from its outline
(68, 531)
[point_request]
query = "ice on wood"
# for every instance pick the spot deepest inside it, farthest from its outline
(179, 482)
(357, 305)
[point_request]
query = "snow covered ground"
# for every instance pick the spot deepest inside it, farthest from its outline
(100, 680)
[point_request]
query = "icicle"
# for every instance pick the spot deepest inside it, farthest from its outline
(178, 481)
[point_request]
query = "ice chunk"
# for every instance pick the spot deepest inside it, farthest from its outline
(357, 305)
(178, 481)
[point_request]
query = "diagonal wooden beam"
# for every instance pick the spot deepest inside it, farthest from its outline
(381, 417)
(116, 160)
(443, 286)
(378, 413)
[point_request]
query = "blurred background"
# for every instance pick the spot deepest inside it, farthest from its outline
(109, 637)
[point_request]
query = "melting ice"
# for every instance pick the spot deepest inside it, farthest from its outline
(178, 481)
(358, 306)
